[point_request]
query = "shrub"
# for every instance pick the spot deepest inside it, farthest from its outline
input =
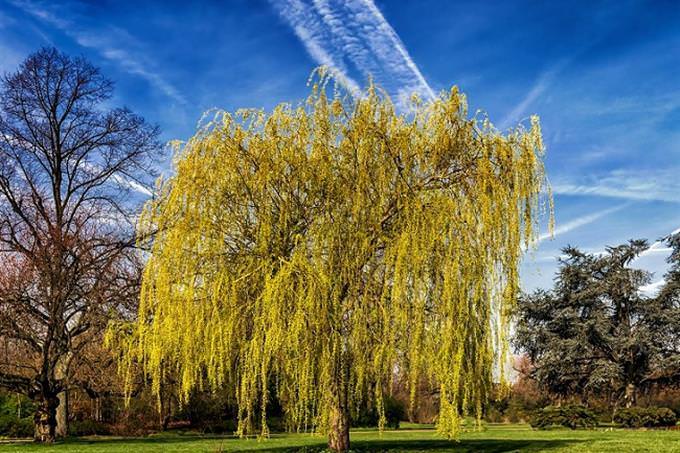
(496, 410)
(368, 417)
(88, 428)
(11, 426)
(523, 399)
(648, 417)
(571, 416)
(394, 412)
(16, 415)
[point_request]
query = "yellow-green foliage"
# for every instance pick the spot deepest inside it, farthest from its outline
(321, 248)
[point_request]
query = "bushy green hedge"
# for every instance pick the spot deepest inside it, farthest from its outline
(16, 415)
(570, 416)
(649, 417)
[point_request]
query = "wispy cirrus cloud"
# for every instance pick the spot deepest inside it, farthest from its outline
(9, 59)
(520, 109)
(581, 221)
(352, 37)
(656, 185)
(113, 44)
(101, 42)
(543, 82)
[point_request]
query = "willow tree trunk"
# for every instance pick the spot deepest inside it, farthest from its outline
(338, 433)
(45, 419)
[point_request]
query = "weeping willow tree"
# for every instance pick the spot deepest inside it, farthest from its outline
(310, 253)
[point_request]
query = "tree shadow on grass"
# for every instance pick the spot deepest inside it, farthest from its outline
(221, 444)
(122, 442)
(149, 440)
(435, 445)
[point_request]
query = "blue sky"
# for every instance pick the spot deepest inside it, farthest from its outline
(603, 76)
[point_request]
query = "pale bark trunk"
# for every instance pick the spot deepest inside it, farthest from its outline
(97, 409)
(631, 395)
(61, 373)
(62, 415)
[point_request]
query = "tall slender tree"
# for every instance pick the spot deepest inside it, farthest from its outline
(67, 168)
(317, 249)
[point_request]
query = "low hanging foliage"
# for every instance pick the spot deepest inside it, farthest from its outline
(321, 248)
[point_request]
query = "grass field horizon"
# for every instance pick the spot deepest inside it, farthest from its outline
(496, 438)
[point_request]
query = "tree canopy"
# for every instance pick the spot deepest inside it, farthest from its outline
(666, 315)
(596, 333)
(313, 251)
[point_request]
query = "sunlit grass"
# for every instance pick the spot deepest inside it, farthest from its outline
(411, 438)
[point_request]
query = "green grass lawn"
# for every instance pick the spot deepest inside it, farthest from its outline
(496, 438)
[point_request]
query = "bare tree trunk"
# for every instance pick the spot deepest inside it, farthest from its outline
(631, 395)
(45, 419)
(62, 415)
(98, 409)
(61, 372)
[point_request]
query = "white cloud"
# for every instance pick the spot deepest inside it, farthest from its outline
(353, 36)
(132, 184)
(324, 58)
(658, 247)
(652, 289)
(118, 179)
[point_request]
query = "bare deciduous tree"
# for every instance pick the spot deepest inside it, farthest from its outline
(68, 174)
